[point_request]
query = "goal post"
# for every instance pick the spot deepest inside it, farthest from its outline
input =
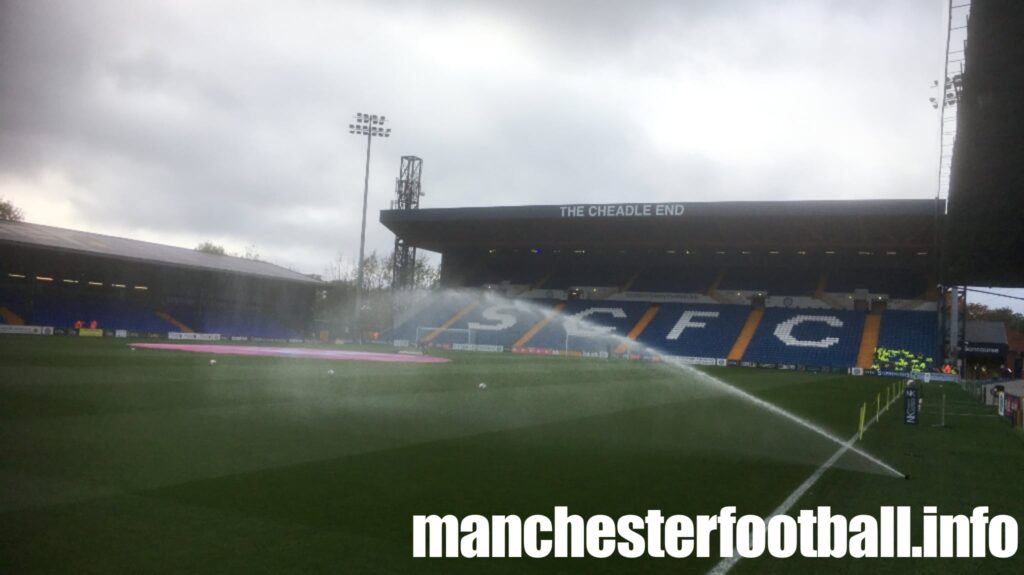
(601, 343)
(427, 335)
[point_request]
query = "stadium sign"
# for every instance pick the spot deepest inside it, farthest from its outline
(984, 350)
(622, 210)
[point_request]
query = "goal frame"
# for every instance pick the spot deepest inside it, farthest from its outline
(424, 331)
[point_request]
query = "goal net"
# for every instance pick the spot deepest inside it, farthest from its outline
(443, 335)
(591, 343)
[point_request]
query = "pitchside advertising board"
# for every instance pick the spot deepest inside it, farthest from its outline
(910, 405)
(26, 329)
(193, 336)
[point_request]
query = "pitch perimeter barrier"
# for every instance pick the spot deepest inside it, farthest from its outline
(704, 361)
(193, 336)
(1009, 406)
(477, 347)
(26, 329)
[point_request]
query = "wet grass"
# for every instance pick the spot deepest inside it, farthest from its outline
(150, 461)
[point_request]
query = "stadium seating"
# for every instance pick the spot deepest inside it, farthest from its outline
(689, 339)
(512, 274)
(793, 282)
(434, 313)
(486, 321)
(61, 308)
(913, 331)
(813, 337)
(896, 283)
(807, 337)
(242, 323)
(584, 275)
(62, 311)
(661, 279)
(604, 320)
(503, 322)
(12, 301)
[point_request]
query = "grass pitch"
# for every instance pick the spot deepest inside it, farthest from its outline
(152, 461)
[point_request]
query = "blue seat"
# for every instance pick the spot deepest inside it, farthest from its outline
(722, 325)
(807, 337)
(913, 331)
(599, 326)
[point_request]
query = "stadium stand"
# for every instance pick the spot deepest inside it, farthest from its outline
(60, 311)
(437, 313)
(481, 320)
(63, 278)
(588, 276)
(603, 319)
(233, 322)
(807, 337)
(694, 330)
(791, 283)
(896, 283)
(794, 282)
(673, 279)
(911, 331)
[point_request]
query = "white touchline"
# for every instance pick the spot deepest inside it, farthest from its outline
(727, 563)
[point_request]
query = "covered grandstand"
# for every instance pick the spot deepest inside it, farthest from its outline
(985, 232)
(802, 285)
(66, 280)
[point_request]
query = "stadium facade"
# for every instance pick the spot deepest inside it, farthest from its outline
(803, 285)
(78, 282)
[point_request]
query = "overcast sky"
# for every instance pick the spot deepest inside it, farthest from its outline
(180, 121)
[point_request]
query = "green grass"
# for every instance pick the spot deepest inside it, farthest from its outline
(153, 461)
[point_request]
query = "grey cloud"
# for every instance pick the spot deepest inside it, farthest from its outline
(230, 120)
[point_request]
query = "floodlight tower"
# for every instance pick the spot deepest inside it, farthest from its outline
(371, 126)
(407, 197)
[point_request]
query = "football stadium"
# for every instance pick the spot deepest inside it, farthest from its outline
(168, 410)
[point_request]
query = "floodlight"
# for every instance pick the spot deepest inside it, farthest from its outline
(369, 125)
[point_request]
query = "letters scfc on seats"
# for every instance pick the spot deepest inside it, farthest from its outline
(502, 319)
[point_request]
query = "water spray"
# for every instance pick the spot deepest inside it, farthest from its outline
(584, 326)
(714, 381)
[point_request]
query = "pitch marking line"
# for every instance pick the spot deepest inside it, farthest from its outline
(728, 563)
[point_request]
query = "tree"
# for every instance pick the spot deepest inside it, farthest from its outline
(426, 276)
(9, 212)
(210, 248)
(251, 253)
(335, 306)
(339, 269)
(1013, 320)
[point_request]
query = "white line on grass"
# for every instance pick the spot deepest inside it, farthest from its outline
(727, 563)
